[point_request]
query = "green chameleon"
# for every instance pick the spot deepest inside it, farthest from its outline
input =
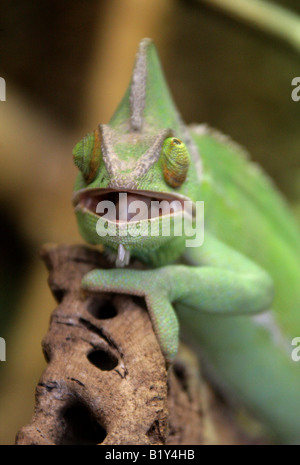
(238, 294)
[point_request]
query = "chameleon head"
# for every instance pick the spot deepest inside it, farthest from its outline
(136, 174)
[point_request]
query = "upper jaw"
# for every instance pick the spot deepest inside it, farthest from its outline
(89, 199)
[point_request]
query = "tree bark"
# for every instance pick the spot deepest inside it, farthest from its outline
(106, 381)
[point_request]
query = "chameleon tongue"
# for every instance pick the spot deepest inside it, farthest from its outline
(123, 257)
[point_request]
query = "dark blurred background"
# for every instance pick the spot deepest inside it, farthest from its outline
(66, 66)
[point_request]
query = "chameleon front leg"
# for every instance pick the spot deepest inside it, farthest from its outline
(144, 284)
(225, 282)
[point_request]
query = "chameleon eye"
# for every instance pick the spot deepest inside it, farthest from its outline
(175, 161)
(87, 154)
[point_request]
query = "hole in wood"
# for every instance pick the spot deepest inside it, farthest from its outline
(46, 353)
(154, 433)
(80, 427)
(59, 294)
(102, 308)
(102, 359)
(140, 301)
(182, 375)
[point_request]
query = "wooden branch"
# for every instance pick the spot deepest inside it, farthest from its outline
(106, 380)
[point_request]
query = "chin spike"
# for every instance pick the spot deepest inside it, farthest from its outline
(123, 257)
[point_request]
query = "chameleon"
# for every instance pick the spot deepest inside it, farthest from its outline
(235, 295)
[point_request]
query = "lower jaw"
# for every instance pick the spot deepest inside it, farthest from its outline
(97, 230)
(153, 250)
(131, 242)
(153, 255)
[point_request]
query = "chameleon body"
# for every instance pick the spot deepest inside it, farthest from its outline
(237, 295)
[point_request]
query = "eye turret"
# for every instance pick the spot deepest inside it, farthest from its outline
(175, 161)
(87, 155)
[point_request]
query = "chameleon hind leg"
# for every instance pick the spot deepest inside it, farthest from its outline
(226, 282)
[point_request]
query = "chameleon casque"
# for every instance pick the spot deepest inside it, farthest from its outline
(238, 294)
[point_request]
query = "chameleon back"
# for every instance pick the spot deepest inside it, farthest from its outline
(251, 356)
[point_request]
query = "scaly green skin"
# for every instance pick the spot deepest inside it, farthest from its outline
(251, 246)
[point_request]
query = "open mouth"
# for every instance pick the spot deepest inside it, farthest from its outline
(124, 206)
